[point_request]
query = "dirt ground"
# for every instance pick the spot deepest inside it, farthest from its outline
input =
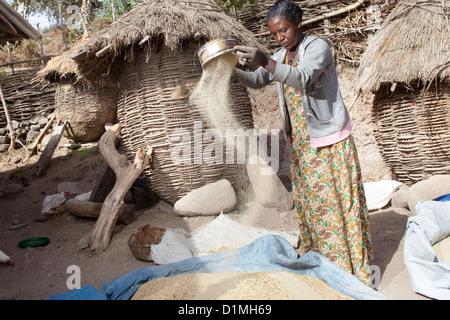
(43, 271)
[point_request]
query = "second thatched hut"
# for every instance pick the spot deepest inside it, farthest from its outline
(407, 67)
(86, 106)
(151, 54)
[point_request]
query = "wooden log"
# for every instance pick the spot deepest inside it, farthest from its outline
(47, 154)
(33, 146)
(126, 173)
(89, 209)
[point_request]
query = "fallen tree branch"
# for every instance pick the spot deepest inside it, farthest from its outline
(126, 173)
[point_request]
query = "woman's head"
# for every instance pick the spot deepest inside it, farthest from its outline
(284, 20)
(287, 9)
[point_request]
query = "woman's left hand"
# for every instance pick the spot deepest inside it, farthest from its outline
(251, 55)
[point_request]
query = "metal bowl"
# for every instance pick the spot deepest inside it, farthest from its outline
(215, 48)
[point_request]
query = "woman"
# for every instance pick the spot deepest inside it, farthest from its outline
(325, 172)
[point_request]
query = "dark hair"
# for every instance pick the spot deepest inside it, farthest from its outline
(287, 9)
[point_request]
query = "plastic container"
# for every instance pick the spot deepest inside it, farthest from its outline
(34, 242)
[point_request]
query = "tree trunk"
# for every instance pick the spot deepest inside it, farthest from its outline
(126, 173)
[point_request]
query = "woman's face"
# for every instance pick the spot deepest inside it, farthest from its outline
(285, 33)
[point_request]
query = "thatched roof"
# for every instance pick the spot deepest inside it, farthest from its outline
(61, 67)
(151, 23)
(413, 44)
(13, 26)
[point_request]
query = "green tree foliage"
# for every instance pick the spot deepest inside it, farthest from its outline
(48, 7)
(120, 7)
(99, 8)
(233, 5)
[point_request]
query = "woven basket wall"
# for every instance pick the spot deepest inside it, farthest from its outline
(154, 102)
(86, 109)
(414, 138)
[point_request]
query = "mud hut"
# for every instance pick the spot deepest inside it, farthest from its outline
(151, 53)
(86, 106)
(407, 67)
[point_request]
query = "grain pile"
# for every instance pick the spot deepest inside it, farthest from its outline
(252, 285)
(442, 249)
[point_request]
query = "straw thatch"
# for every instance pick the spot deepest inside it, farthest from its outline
(59, 68)
(407, 67)
(413, 44)
(170, 21)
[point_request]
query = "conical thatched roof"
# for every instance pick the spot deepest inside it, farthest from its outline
(412, 44)
(150, 24)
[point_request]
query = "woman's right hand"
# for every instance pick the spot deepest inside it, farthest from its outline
(250, 55)
(254, 56)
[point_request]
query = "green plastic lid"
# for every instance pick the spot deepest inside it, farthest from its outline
(34, 242)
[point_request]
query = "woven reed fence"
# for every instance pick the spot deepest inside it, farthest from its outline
(86, 108)
(413, 129)
(25, 100)
(153, 106)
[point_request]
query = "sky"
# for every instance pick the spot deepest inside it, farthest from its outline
(35, 19)
(42, 20)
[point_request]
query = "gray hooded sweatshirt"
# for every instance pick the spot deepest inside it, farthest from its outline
(327, 118)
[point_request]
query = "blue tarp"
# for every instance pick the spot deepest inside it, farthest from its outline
(268, 253)
(430, 275)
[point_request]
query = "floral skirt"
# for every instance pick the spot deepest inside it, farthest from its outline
(329, 197)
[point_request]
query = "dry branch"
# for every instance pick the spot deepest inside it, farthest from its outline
(126, 173)
(8, 121)
(32, 147)
(336, 13)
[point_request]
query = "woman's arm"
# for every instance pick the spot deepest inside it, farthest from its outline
(256, 79)
(316, 58)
